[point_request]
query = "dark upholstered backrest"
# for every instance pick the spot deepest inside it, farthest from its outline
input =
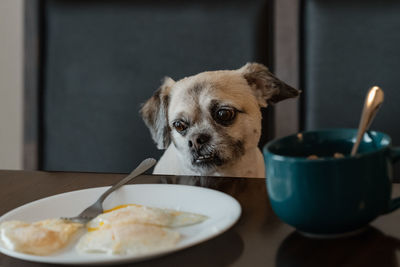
(349, 46)
(102, 59)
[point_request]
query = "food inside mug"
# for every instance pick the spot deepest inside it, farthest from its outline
(328, 149)
(317, 145)
(336, 155)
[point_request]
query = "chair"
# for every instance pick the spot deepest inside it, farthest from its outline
(91, 64)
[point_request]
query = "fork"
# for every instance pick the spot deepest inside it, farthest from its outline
(97, 207)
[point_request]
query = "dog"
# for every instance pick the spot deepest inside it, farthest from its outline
(210, 123)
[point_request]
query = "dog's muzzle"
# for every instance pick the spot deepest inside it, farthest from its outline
(204, 158)
(198, 141)
(202, 152)
(208, 159)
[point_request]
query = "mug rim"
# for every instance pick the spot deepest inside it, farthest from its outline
(266, 148)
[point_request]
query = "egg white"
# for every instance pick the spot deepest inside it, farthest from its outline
(127, 239)
(135, 230)
(146, 215)
(39, 238)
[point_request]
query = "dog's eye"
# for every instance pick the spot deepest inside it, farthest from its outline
(225, 115)
(180, 126)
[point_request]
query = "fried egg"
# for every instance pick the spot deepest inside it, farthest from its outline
(132, 213)
(38, 238)
(127, 239)
(135, 230)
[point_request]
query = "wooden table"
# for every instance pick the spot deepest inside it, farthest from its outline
(258, 239)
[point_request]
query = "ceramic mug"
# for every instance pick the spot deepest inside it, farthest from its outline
(328, 196)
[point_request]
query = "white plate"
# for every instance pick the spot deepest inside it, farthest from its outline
(222, 211)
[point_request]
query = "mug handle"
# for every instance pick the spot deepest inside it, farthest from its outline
(394, 204)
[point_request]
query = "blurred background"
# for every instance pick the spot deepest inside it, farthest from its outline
(73, 74)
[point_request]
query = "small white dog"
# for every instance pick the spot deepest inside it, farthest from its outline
(210, 123)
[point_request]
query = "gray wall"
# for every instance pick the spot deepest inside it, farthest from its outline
(11, 83)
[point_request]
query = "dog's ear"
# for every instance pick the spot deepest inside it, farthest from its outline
(267, 88)
(155, 114)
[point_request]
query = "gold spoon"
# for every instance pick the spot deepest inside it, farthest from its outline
(372, 104)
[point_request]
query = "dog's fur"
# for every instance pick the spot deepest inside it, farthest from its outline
(210, 123)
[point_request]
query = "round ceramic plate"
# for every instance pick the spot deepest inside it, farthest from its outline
(222, 211)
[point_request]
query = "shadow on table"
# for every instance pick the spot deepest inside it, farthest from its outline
(220, 251)
(369, 248)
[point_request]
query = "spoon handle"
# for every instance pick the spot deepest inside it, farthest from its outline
(372, 104)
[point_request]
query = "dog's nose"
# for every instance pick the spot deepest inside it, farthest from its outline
(198, 140)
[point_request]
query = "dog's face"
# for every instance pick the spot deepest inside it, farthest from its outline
(213, 118)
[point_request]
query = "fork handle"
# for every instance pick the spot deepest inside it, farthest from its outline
(143, 166)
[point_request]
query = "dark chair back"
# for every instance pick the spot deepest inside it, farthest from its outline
(102, 59)
(348, 47)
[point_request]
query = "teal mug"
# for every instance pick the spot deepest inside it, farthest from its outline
(331, 196)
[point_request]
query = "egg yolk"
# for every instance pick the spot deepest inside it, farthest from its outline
(91, 229)
(121, 207)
